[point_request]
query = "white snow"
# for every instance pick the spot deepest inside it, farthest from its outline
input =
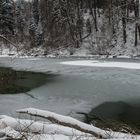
(95, 63)
(44, 130)
(74, 122)
(61, 118)
(38, 127)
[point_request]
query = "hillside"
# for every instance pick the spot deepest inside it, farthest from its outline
(65, 28)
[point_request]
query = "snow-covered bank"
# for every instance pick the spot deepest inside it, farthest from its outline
(106, 64)
(54, 127)
(81, 52)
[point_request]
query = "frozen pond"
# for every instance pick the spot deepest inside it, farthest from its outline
(73, 88)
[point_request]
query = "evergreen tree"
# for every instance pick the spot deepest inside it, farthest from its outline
(7, 17)
(1, 17)
(0, 7)
(32, 32)
(36, 11)
(35, 28)
(20, 17)
(21, 24)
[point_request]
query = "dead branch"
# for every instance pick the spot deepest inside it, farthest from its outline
(15, 45)
(69, 123)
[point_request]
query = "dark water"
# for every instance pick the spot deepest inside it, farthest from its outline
(12, 82)
(115, 114)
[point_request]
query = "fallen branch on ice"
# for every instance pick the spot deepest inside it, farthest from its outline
(60, 128)
(65, 121)
(73, 123)
(31, 126)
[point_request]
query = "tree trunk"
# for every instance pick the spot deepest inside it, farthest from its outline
(136, 25)
(95, 15)
(136, 34)
(124, 29)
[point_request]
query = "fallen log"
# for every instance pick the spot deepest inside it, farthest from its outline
(75, 124)
(31, 126)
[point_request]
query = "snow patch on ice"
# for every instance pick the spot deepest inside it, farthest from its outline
(92, 63)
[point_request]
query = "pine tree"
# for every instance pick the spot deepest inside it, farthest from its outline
(0, 7)
(0, 17)
(35, 25)
(36, 11)
(32, 32)
(7, 17)
(20, 19)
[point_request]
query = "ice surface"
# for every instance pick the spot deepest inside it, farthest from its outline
(75, 88)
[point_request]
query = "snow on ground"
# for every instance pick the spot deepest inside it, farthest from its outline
(82, 52)
(95, 63)
(54, 127)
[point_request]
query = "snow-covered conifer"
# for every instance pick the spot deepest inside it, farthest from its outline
(7, 17)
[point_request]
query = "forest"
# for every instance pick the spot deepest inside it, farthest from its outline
(101, 26)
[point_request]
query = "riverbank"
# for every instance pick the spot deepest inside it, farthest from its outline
(81, 53)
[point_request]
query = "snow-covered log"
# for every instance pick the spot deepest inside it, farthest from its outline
(65, 121)
(73, 123)
(30, 126)
(34, 130)
(9, 132)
